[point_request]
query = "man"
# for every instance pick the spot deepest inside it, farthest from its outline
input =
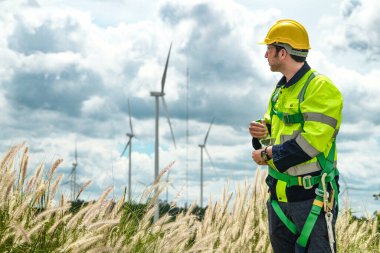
(302, 120)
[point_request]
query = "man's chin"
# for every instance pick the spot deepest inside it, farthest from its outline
(273, 69)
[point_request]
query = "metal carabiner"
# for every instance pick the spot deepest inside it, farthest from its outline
(329, 220)
(325, 197)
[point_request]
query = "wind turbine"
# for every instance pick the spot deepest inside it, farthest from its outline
(167, 187)
(73, 176)
(187, 136)
(157, 96)
(129, 144)
(203, 146)
(113, 178)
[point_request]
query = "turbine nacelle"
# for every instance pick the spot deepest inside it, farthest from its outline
(157, 94)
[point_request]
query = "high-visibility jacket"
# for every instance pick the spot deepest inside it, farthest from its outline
(320, 104)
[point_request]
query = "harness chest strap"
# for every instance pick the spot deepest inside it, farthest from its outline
(296, 117)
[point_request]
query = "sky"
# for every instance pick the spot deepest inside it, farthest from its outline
(68, 69)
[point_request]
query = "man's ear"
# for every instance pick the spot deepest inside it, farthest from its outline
(283, 53)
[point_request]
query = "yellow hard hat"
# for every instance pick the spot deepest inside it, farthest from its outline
(290, 32)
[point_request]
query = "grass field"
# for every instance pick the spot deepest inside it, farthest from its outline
(31, 222)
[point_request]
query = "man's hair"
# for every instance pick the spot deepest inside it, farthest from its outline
(294, 57)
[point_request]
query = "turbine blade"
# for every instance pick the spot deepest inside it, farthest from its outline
(209, 157)
(209, 128)
(130, 117)
(168, 117)
(126, 146)
(212, 164)
(165, 70)
(142, 183)
(167, 180)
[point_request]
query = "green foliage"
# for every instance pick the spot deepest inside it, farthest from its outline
(77, 205)
(130, 219)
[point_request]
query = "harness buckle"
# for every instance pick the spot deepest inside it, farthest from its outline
(319, 192)
(306, 182)
(286, 119)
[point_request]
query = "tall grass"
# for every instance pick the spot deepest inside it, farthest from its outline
(31, 222)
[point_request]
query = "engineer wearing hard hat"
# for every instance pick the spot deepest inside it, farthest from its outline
(296, 139)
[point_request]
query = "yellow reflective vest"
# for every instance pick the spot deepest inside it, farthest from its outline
(320, 105)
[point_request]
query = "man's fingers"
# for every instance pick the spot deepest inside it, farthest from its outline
(258, 129)
(255, 124)
(257, 133)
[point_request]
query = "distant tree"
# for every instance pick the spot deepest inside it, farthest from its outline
(376, 196)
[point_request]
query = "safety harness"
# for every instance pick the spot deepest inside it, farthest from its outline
(327, 176)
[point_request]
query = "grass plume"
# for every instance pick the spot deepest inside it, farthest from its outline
(236, 223)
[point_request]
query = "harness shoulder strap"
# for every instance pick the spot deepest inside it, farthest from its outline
(301, 95)
(296, 117)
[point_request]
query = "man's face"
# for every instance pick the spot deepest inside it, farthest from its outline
(273, 58)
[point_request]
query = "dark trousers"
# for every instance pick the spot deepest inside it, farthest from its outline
(284, 241)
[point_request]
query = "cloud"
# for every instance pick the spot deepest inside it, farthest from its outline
(355, 29)
(61, 91)
(68, 71)
(49, 35)
(220, 48)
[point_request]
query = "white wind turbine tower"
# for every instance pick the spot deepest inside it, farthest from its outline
(203, 146)
(167, 186)
(73, 176)
(129, 144)
(157, 95)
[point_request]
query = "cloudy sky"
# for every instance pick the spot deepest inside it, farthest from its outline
(68, 68)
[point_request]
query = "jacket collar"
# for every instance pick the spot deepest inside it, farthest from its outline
(300, 73)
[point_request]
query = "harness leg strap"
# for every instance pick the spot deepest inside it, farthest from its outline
(281, 215)
(310, 222)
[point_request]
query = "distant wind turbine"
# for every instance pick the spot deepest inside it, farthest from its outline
(203, 146)
(73, 176)
(113, 178)
(157, 95)
(129, 144)
(187, 135)
(167, 186)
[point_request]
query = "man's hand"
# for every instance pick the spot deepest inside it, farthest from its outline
(256, 155)
(258, 129)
